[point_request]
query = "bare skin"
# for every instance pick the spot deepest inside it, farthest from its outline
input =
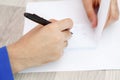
(93, 4)
(45, 44)
(41, 45)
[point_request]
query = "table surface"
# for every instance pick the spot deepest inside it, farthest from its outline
(11, 28)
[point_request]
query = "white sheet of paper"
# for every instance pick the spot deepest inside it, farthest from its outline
(82, 52)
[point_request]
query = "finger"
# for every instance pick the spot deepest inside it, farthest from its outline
(62, 25)
(114, 10)
(88, 4)
(65, 43)
(53, 20)
(67, 35)
(65, 24)
(113, 13)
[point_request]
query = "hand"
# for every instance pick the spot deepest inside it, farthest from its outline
(41, 45)
(92, 5)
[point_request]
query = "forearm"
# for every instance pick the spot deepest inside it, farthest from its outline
(40, 46)
(20, 57)
(13, 59)
(17, 58)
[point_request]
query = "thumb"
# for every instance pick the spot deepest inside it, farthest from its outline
(88, 5)
(65, 24)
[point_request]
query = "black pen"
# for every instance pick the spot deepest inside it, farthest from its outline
(37, 19)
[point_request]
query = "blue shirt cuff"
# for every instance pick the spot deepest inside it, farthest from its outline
(5, 67)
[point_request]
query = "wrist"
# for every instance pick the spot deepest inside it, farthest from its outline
(17, 62)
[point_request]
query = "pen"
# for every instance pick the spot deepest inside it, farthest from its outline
(37, 19)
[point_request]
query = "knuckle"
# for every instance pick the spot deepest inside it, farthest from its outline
(50, 28)
(52, 25)
(115, 13)
(69, 20)
(57, 55)
(115, 17)
(89, 14)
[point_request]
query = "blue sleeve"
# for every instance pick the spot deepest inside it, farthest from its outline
(5, 67)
